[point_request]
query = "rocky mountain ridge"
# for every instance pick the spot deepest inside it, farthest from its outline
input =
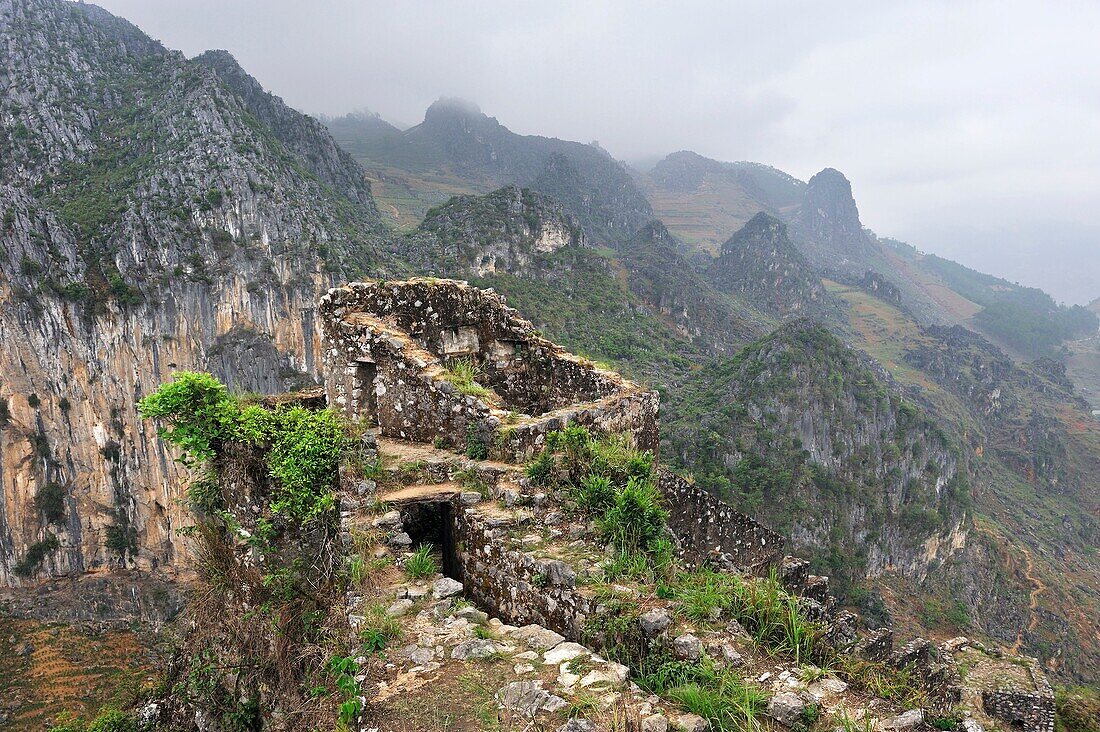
(202, 241)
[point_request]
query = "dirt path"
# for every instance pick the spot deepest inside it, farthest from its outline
(1033, 601)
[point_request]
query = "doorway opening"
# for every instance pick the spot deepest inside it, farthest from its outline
(433, 522)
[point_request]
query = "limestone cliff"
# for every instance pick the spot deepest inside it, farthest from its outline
(812, 437)
(503, 230)
(760, 263)
(153, 219)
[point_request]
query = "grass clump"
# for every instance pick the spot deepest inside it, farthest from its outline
(772, 616)
(720, 697)
(607, 479)
(464, 374)
(378, 630)
(421, 564)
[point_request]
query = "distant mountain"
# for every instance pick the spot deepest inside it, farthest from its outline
(703, 201)
(503, 230)
(458, 147)
(761, 265)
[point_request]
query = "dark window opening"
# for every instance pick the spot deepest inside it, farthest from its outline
(433, 522)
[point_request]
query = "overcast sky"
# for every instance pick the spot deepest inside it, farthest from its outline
(968, 129)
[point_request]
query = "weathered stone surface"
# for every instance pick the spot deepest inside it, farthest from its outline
(563, 652)
(399, 608)
(786, 708)
(446, 587)
(387, 520)
(375, 369)
(613, 675)
(687, 647)
(655, 723)
(691, 723)
(537, 637)
(826, 688)
(654, 622)
(474, 648)
(577, 725)
(528, 698)
(905, 720)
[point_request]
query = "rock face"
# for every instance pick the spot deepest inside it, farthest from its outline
(503, 230)
(663, 278)
(759, 263)
(829, 215)
(800, 420)
(202, 242)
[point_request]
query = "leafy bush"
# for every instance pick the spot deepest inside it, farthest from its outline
(198, 412)
(476, 449)
(50, 501)
(304, 457)
(540, 470)
(36, 554)
(613, 482)
(108, 720)
(635, 518)
(302, 448)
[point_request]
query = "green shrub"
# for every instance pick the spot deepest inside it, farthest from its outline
(304, 458)
(595, 494)
(113, 720)
(540, 470)
(36, 554)
(302, 448)
(635, 518)
(378, 630)
(198, 412)
(476, 449)
(421, 564)
(50, 501)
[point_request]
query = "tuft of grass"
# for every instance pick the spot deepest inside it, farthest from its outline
(464, 374)
(421, 564)
(378, 630)
(850, 724)
(729, 705)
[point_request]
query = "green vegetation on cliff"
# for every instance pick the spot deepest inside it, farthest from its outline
(800, 431)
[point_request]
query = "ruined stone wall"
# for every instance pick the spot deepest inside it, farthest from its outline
(633, 413)
(519, 588)
(386, 351)
(1032, 711)
(708, 529)
(452, 320)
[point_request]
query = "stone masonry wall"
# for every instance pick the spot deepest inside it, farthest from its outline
(387, 347)
(520, 588)
(708, 529)
(451, 320)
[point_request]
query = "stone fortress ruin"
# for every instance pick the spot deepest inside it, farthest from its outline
(447, 377)
(389, 353)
